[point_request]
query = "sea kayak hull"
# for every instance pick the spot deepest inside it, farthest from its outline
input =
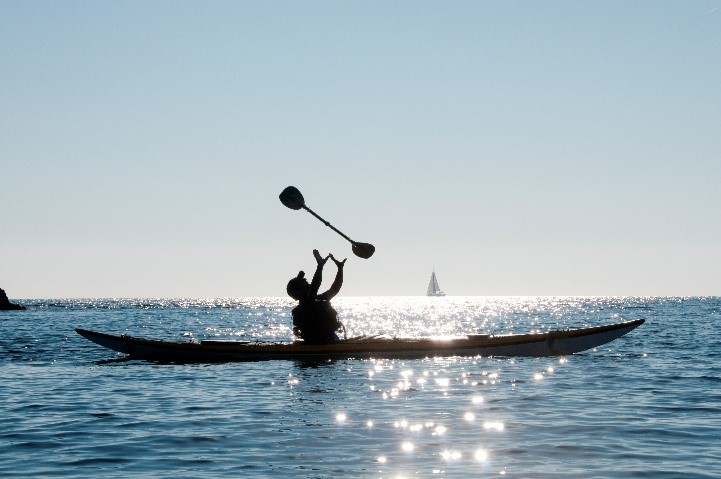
(553, 343)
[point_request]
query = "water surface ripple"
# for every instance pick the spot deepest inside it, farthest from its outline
(646, 405)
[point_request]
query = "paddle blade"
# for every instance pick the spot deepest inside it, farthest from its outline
(292, 198)
(363, 250)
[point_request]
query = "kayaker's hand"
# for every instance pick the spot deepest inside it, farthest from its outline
(319, 259)
(340, 264)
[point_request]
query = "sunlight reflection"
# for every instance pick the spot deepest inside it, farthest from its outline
(481, 455)
(493, 426)
(451, 455)
(419, 387)
(414, 316)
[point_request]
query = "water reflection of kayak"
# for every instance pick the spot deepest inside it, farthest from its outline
(552, 343)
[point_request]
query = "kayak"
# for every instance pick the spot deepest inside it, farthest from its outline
(551, 343)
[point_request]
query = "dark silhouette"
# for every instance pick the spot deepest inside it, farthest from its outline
(6, 305)
(314, 319)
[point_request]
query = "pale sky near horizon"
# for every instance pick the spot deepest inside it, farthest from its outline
(519, 148)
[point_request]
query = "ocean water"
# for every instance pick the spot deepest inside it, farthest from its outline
(645, 405)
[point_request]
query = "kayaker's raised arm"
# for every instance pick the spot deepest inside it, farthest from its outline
(338, 281)
(318, 275)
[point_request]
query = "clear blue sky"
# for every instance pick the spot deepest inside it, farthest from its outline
(519, 148)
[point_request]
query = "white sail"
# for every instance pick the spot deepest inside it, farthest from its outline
(433, 288)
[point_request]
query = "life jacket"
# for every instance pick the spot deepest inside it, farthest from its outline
(316, 322)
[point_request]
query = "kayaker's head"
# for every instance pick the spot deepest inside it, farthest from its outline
(298, 286)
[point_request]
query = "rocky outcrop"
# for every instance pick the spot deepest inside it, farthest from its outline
(6, 305)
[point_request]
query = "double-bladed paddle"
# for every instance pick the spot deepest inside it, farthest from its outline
(293, 199)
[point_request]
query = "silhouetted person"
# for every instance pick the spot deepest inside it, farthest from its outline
(314, 319)
(6, 305)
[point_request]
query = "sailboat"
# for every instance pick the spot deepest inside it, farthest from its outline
(433, 288)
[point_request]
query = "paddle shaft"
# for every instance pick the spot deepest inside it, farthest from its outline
(327, 224)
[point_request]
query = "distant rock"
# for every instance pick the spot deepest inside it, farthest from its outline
(5, 304)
